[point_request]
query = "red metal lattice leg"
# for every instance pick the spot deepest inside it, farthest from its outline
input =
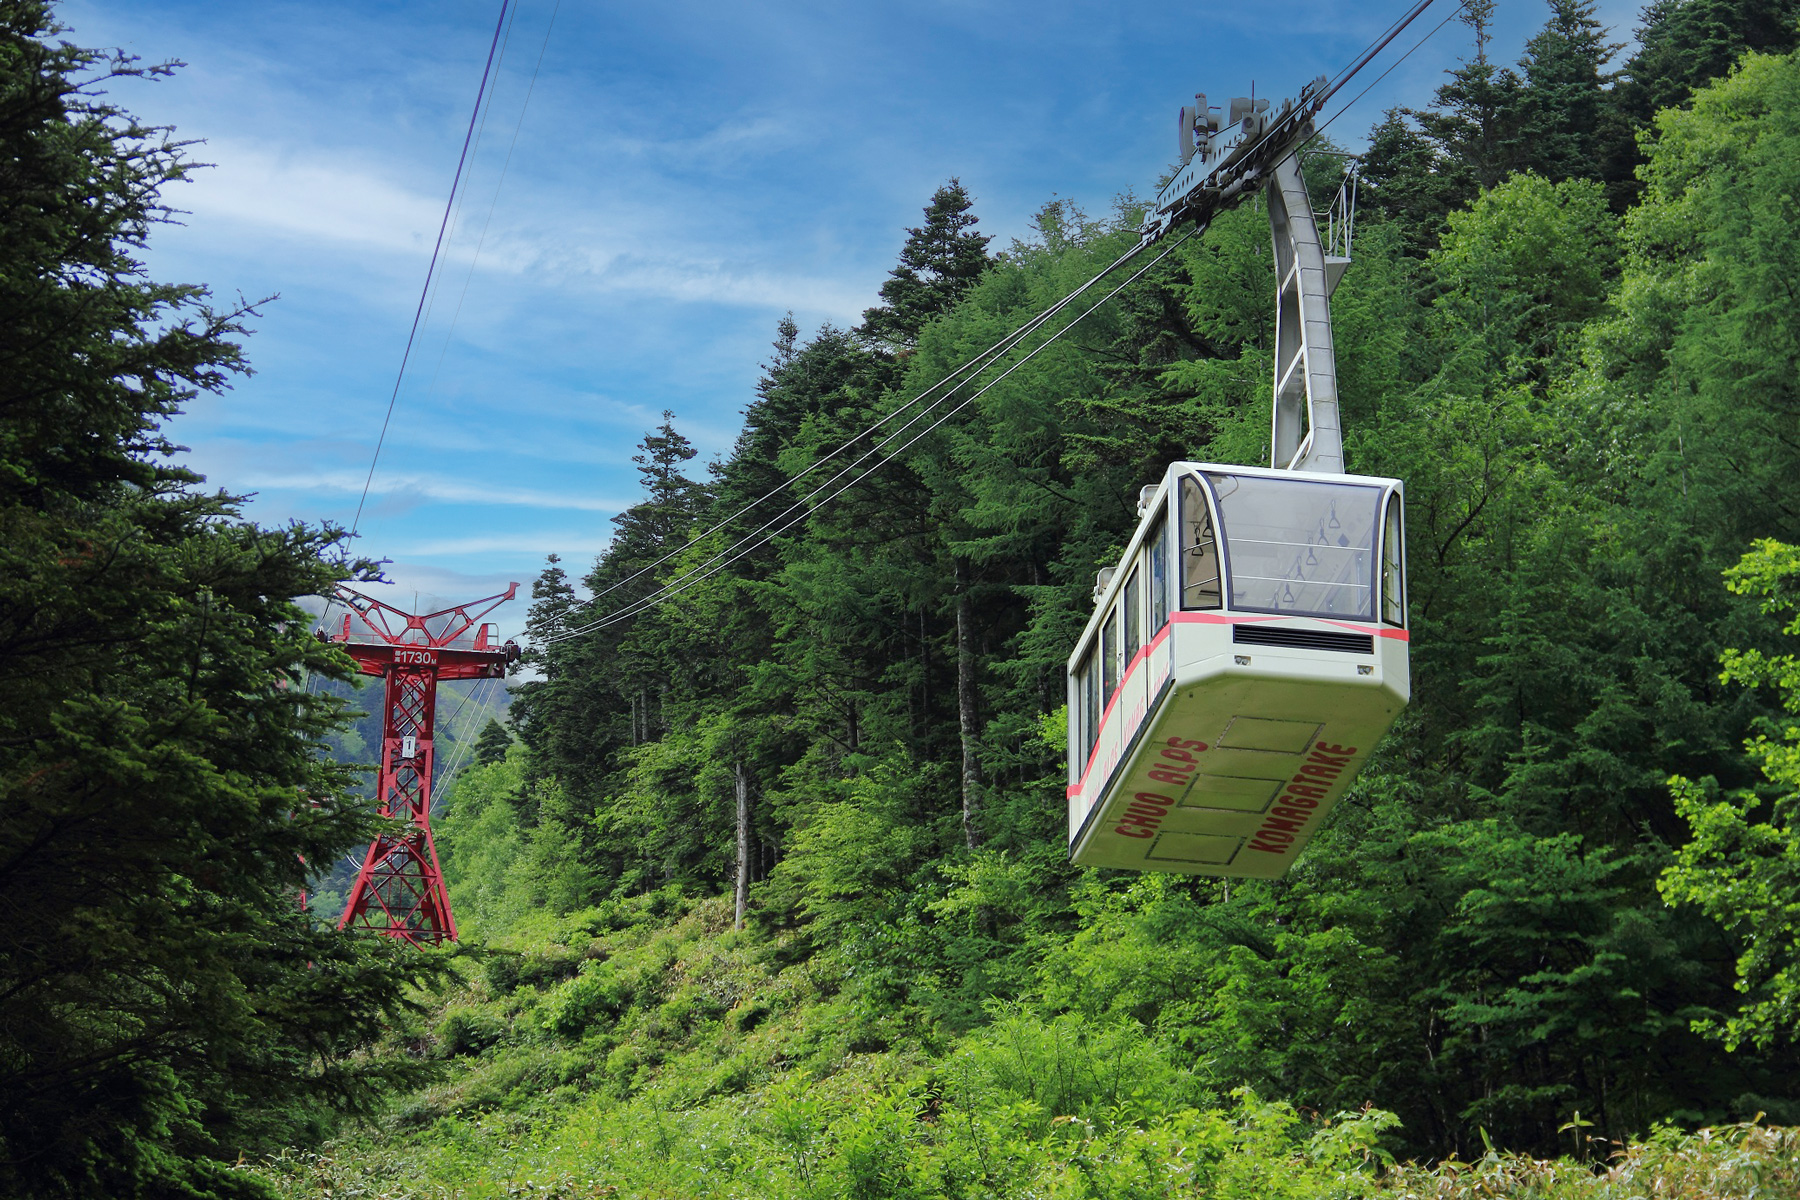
(400, 889)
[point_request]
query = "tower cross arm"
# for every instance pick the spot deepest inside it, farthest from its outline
(395, 626)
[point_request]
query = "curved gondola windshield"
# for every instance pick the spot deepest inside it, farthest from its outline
(1393, 567)
(1298, 547)
(1199, 550)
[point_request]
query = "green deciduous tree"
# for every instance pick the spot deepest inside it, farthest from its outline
(1590, 416)
(1742, 866)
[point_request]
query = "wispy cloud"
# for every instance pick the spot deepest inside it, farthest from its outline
(430, 487)
(685, 173)
(544, 542)
(311, 194)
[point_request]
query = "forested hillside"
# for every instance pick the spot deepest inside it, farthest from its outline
(1569, 329)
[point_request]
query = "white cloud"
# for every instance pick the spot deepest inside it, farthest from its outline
(429, 487)
(564, 544)
(312, 195)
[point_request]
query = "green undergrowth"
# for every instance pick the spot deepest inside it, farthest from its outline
(647, 1049)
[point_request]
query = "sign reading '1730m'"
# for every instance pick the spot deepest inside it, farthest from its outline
(415, 658)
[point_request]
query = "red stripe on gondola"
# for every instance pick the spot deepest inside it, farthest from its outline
(1106, 713)
(1203, 618)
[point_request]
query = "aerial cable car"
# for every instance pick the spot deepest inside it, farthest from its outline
(1250, 647)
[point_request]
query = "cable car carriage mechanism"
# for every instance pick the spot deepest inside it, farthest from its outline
(1250, 647)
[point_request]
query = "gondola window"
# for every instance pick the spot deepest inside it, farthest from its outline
(1159, 577)
(1133, 613)
(1297, 547)
(1199, 550)
(1109, 655)
(1393, 551)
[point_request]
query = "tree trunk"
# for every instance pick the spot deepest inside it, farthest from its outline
(924, 680)
(742, 781)
(966, 696)
(1040, 578)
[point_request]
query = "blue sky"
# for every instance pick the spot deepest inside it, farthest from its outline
(683, 174)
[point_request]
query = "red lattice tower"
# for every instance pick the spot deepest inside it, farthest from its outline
(400, 889)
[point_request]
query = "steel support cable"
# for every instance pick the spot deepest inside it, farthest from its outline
(1393, 31)
(457, 222)
(431, 268)
(1362, 60)
(1320, 131)
(461, 703)
(484, 708)
(695, 577)
(1352, 103)
(668, 590)
(501, 24)
(1003, 346)
(967, 369)
(463, 745)
(494, 200)
(430, 300)
(676, 587)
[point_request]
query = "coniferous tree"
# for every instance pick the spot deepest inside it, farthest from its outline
(802, 383)
(492, 744)
(163, 775)
(1566, 108)
(1401, 181)
(1467, 140)
(1686, 44)
(652, 527)
(939, 262)
(1475, 939)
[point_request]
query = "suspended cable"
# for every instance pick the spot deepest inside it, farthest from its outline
(1362, 60)
(450, 724)
(430, 270)
(777, 526)
(1347, 107)
(984, 359)
(495, 44)
(981, 361)
(959, 375)
(500, 182)
(457, 223)
(494, 200)
(463, 745)
(1374, 48)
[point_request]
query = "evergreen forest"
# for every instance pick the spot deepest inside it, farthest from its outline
(763, 876)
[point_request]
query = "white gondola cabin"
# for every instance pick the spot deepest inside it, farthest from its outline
(1242, 661)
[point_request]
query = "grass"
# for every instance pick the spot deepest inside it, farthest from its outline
(647, 1050)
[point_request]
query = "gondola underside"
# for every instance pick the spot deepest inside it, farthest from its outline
(1238, 757)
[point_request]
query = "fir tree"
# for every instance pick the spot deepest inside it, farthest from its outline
(491, 746)
(1685, 44)
(671, 500)
(1566, 106)
(941, 260)
(163, 781)
(1423, 163)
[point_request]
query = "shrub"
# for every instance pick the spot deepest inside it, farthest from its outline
(469, 1031)
(598, 991)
